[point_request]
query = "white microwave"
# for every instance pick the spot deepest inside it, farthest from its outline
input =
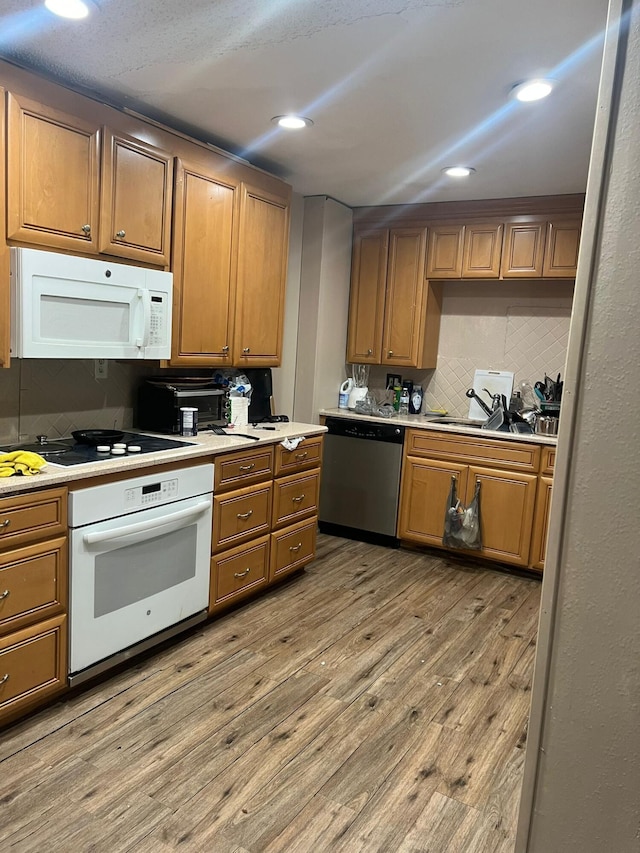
(69, 307)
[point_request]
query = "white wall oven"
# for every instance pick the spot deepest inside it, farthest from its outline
(139, 564)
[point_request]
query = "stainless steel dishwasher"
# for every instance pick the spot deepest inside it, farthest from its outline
(360, 481)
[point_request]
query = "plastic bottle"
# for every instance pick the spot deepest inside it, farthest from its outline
(415, 400)
(404, 401)
(345, 390)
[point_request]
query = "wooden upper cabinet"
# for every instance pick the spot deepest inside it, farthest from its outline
(263, 240)
(561, 253)
(523, 251)
(444, 252)
(135, 214)
(404, 304)
(52, 177)
(366, 301)
(482, 250)
(5, 300)
(203, 267)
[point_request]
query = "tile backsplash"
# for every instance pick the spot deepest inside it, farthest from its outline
(518, 326)
(54, 396)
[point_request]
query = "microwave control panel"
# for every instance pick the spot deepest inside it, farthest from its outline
(158, 319)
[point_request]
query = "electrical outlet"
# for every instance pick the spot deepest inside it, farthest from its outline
(393, 380)
(100, 368)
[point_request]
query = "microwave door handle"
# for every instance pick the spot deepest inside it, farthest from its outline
(143, 530)
(145, 296)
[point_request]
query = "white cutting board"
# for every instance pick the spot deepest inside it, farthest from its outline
(495, 381)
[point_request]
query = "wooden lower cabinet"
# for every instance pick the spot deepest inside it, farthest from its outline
(238, 572)
(507, 501)
(267, 529)
(423, 497)
(541, 523)
(33, 666)
(292, 548)
(510, 492)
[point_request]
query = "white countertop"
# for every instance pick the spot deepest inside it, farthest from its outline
(432, 422)
(203, 445)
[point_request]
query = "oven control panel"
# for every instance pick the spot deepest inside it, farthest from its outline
(154, 493)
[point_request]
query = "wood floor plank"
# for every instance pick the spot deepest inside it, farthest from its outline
(377, 701)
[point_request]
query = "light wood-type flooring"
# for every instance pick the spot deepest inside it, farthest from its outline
(376, 702)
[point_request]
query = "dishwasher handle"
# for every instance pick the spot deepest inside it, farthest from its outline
(367, 430)
(144, 530)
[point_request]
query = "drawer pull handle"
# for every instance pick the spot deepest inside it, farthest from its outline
(298, 499)
(241, 574)
(6, 522)
(4, 678)
(295, 547)
(245, 514)
(301, 456)
(248, 467)
(5, 594)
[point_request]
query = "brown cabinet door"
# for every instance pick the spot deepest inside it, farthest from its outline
(541, 523)
(33, 666)
(444, 252)
(404, 305)
(423, 498)
(262, 271)
(33, 583)
(366, 301)
(482, 251)
(238, 572)
(29, 518)
(203, 268)
(239, 516)
(507, 502)
(561, 253)
(295, 497)
(135, 215)
(292, 548)
(5, 292)
(523, 251)
(52, 177)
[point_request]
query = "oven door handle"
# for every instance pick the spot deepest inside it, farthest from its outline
(144, 530)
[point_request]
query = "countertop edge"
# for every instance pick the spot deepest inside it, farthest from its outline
(421, 422)
(203, 445)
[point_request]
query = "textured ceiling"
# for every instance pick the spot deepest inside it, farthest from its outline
(397, 89)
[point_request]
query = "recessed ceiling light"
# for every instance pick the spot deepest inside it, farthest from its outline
(291, 122)
(75, 9)
(532, 90)
(458, 171)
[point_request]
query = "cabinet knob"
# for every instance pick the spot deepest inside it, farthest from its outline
(86, 229)
(4, 594)
(390, 352)
(246, 349)
(225, 349)
(121, 234)
(369, 352)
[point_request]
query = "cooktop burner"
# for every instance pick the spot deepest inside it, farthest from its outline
(66, 451)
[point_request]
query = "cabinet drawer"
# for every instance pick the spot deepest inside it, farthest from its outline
(292, 548)
(295, 497)
(308, 454)
(238, 571)
(33, 583)
(33, 666)
(28, 518)
(548, 460)
(247, 466)
(240, 515)
(463, 448)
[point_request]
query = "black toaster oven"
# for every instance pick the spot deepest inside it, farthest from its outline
(161, 398)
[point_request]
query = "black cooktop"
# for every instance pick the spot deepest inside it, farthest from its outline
(66, 451)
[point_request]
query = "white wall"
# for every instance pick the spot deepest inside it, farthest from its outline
(582, 774)
(324, 306)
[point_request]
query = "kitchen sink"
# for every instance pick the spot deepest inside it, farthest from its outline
(471, 422)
